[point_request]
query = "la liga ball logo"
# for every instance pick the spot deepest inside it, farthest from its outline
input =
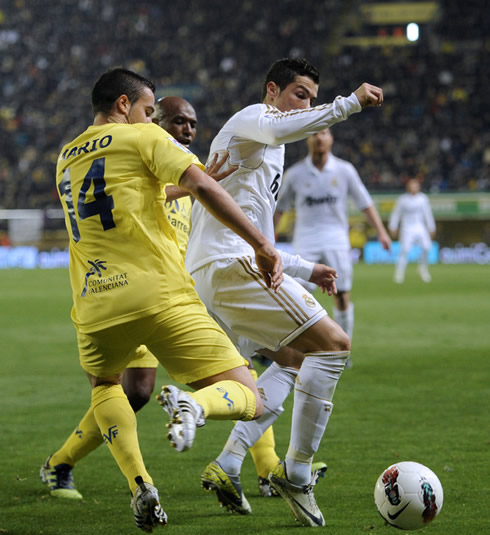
(408, 495)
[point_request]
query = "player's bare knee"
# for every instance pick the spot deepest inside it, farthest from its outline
(343, 342)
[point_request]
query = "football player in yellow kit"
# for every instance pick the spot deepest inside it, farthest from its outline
(129, 283)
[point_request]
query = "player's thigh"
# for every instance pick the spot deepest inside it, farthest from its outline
(325, 335)
(341, 260)
(191, 345)
(235, 292)
(107, 352)
(425, 241)
(408, 239)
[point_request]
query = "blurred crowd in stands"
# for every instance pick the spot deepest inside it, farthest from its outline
(434, 122)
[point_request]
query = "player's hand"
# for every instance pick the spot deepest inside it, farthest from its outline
(214, 167)
(369, 95)
(385, 241)
(324, 277)
(269, 262)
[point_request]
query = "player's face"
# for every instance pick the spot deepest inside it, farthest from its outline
(142, 109)
(413, 186)
(320, 142)
(181, 123)
(298, 95)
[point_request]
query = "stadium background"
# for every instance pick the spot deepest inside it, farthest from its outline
(418, 389)
(434, 122)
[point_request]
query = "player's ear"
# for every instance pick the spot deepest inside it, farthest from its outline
(272, 89)
(123, 104)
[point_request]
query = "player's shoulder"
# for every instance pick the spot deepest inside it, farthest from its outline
(342, 164)
(253, 110)
(150, 128)
(156, 132)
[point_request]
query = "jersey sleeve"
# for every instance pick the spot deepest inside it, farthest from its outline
(266, 124)
(357, 189)
(296, 266)
(166, 158)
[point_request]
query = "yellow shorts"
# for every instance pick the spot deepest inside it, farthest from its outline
(185, 340)
(143, 358)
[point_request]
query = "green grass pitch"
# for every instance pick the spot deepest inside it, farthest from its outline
(419, 390)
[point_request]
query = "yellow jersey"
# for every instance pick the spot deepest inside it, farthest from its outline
(124, 258)
(179, 215)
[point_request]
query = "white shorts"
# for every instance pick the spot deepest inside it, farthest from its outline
(340, 260)
(237, 297)
(415, 235)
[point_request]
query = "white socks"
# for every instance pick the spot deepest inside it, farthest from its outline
(274, 385)
(345, 318)
(401, 266)
(313, 393)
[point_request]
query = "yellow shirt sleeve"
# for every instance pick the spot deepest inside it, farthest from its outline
(164, 156)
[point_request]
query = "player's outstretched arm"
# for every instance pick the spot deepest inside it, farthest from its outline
(324, 277)
(369, 95)
(222, 206)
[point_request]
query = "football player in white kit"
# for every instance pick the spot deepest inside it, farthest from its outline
(413, 214)
(319, 187)
(228, 282)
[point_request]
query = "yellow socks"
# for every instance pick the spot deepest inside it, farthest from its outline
(117, 423)
(84, 439)
(226, 400)
(263, 452)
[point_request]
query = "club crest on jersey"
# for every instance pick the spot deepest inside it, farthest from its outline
(310, 302)
(175, 142)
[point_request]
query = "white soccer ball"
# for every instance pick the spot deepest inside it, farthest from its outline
(408, 495)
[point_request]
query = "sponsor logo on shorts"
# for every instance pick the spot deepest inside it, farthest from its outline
(310, 302)
(96, 283)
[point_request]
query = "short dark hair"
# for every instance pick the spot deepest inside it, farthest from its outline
(114, 83)
(284, 71)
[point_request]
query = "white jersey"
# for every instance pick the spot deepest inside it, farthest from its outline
(412, 213)
(254, 139)
(320, 198)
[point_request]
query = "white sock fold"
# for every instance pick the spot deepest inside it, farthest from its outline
(274, 385)
(313, 394)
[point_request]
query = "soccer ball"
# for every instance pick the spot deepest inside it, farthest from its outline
(408, 495)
